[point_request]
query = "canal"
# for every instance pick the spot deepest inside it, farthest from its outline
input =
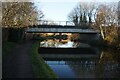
(70, 59)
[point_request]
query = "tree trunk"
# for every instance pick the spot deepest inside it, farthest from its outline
(102, 33)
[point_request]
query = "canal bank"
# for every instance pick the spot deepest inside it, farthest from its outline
(40, 68)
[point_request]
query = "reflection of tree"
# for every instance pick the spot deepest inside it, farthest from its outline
(107, 65)
(74, 36)
(50, 43)
(106, 57)
(82, 67)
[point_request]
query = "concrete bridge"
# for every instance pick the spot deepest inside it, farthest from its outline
(60, 29)
(85, 32)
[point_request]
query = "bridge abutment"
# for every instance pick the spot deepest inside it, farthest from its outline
(89, 37)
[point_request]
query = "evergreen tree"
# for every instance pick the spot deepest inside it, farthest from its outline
(81, 19)
(75, 19)
(84, 19)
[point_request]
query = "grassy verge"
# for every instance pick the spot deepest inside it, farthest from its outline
(40, 68)
(7, 47)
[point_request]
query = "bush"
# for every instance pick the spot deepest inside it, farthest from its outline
(13, 34)
(5, 33)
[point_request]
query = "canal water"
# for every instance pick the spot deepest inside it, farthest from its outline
(70, 59)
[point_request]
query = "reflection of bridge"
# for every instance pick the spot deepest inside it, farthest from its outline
(68, 56)
(68, 53)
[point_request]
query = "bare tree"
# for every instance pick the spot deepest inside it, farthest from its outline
(84, 12)
(106, 16)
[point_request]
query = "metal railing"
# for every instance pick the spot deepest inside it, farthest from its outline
(63, 23)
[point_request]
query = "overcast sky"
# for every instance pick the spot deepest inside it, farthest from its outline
(58, 10)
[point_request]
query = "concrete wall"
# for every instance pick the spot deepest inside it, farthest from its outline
(89, 37)
(28, 36)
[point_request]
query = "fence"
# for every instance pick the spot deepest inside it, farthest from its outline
(64, 23)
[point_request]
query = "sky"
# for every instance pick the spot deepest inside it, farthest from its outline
(58, 10)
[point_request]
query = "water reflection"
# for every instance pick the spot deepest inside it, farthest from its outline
(56, 43)
(84, 68)
(103, 64)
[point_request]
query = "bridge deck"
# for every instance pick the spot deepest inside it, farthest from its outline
(60, 30)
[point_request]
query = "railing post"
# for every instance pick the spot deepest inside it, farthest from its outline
(59, 22)
(60, 34)
(66, 23)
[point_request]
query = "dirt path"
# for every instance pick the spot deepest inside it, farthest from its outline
(17, 64)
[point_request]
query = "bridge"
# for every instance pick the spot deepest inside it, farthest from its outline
(58, 29)
(84, 31)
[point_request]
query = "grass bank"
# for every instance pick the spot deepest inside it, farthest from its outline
(7, 47)
(40, 68)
